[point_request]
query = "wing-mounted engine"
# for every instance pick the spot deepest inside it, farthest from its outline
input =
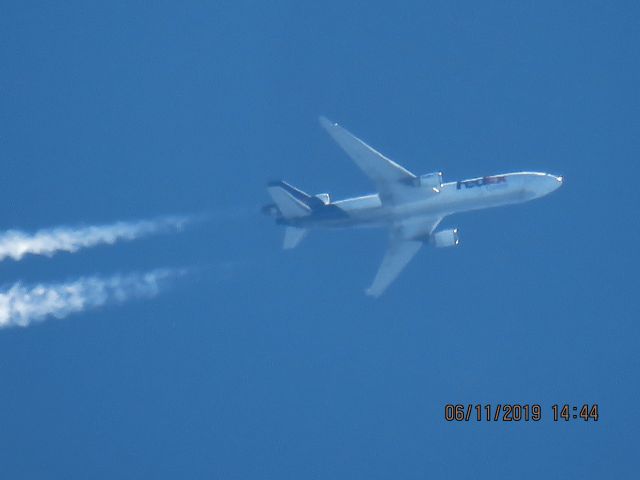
(324, 198)
(445, 238)
(431, 181)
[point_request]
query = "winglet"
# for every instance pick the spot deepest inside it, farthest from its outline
(372, 293)
(326, 123)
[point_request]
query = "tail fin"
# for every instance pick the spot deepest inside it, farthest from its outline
(291, 202)
(293, 236)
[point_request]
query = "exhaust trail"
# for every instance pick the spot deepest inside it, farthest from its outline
(16, 244)
(22, 305)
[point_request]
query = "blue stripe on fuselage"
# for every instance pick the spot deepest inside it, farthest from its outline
(325, 214)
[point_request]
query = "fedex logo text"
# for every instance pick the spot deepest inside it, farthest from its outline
(479, 182)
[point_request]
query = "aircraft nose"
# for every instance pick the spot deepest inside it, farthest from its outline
(541, 184)
(559, 180)
(552, 182)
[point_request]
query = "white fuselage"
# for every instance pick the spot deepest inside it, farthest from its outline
(453, 197)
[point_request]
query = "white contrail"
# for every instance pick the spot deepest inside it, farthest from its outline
(22, 305)
(16, 244)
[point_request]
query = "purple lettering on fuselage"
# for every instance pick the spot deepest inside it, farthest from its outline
(479, 182)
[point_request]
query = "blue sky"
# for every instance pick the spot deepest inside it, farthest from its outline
(266, 364)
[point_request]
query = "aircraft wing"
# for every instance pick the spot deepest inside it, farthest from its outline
(406, 239)
(393, 181)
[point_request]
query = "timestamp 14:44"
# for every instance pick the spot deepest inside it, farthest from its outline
(568, 412)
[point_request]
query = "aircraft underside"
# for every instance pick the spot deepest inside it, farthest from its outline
(410, 206)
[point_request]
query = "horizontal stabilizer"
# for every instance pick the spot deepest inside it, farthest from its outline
(293, 236)
(290, 201)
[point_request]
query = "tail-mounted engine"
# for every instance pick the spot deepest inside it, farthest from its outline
(445, 238)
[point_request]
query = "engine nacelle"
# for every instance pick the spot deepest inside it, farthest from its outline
(431, 180)
(445, 238)
(324, 198)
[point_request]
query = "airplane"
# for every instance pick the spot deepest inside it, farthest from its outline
(410, 206)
